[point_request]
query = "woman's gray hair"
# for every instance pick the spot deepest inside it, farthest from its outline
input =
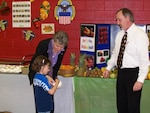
(127, 12)
(61, 37)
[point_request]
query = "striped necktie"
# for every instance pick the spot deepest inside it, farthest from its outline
(121, 52)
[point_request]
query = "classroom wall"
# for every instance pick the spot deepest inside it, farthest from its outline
(13, 44)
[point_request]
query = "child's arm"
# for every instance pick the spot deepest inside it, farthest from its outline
(53, 89)
(50, 79)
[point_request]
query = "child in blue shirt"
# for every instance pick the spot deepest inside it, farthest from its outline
(43, 89)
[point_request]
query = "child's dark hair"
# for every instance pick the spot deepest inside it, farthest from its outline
(40, 61)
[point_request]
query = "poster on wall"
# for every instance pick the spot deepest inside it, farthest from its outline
(103, 35)
(102, 56)
(48, 28)
(21, 14)
(87, 38)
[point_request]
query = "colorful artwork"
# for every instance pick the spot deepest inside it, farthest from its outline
(87, 44)
(28, 35)
(3, 24)
(44, 10)
(87, 30)
(102, 56)
(64, 12)
(103, 35)
(21, 14)
(36, 22)
(44, 13)
(87, 38)
(48, 28)
(4, 9)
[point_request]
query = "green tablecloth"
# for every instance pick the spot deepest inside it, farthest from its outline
(96, 95)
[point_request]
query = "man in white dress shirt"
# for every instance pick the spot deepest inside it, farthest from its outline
(135, 63)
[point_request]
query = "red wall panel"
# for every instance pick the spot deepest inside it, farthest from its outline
(13, 44)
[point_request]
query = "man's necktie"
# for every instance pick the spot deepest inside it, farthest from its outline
(121, 52)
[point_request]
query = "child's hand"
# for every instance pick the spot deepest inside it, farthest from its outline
(58, 83)
(57, 80)
(50, 79)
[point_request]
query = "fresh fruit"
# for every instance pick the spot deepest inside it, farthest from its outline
(82, 61)
(72, 58)
(148, 76)
(103, 69)
(113, 75)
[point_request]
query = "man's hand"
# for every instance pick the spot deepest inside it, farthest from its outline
(106, 73)
(137, 86)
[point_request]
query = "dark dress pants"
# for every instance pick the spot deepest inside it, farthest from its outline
(128, 101)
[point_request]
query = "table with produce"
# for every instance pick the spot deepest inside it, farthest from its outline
(86, 91)
(95, 94)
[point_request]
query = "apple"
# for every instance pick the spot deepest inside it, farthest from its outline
(113, 75)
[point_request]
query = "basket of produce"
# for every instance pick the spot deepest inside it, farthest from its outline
(67, 70)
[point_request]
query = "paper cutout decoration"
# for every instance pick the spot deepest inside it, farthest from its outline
(44, 12)
(47, 28)
(3, 24)
(36, 22)
(64, 12)
(28, 35)
(4, 9)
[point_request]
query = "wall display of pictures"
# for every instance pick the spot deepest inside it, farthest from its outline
(47, 28)
(102, 56)
(87, 38)
(103, 35)
(21, 14)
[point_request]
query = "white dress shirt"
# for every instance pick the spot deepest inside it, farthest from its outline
(136, 51)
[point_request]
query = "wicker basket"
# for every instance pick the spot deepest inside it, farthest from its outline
(25, 69)
(67, 72)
